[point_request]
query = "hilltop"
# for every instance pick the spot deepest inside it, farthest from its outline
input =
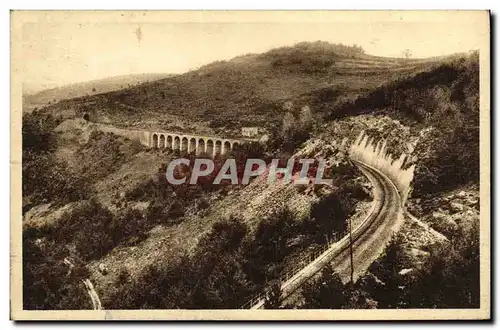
(247, 90)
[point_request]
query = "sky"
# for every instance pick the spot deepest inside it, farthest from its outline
(59, 52)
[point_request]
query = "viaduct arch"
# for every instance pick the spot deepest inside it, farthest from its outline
(192, 143)
(175, 141)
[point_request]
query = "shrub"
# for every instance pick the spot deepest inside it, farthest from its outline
(129, 226)
(325, 292)
(89, 227)
(450, 276)
(328, 216)
(46, 282)
(273, 299)
(294, 131)
(447, 278)
(123, 277)
(100, 156)
(212, 277)
(44, 178)
(310, 57)
(37, 133)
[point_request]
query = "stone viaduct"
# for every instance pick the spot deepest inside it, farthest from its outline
(193, 143)
(175, 141)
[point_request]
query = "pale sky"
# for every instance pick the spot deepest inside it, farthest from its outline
(63, 52)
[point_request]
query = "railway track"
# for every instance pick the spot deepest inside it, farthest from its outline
(369, 239)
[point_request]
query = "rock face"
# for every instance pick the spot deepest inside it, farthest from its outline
(45, 214)
(405, 271)
(456, 207)
(376, 153)
(103, 269)
(37, 212)
(433, 219)
(444, 213)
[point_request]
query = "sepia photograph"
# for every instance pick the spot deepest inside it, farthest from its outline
(250, 165)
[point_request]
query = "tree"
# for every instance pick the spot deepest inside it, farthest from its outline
(325, 292)
(293, 134)
(264, 252)
(273, 299)
(89, 226)
(47, 179)
(216, 278)
(273, 233)
(129, 226)
(37, 133)
(388, 290)
(226, 235)
(450, 277)
(46, 282)
(328, 216)
(407, 53)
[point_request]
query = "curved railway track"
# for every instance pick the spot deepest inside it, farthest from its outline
(369, 238)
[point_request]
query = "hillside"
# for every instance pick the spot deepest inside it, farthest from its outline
(56, 94)
(247, 90)
(104, 199)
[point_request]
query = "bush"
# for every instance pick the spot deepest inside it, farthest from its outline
(46, 282)
(94, 230)
(47, 180)
(100, 156)
(269, 245)
(326, 292)
(123, 277)
(44, 178)
(89, 227)
(356, 191)
(310, 57)
(450, 277)
(294, 131)
(388, 290)
(273, 299)
(447, 160)
(37, 133)
(212, 277)
(328, 216)
(447, 278)
(129, 226)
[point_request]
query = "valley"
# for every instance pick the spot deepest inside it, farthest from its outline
(94, 186)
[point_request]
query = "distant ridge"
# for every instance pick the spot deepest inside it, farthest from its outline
(87, 88)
